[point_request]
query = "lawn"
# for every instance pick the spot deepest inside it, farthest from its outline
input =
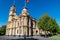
(55, 36)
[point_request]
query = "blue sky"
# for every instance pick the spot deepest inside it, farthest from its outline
(36, 9)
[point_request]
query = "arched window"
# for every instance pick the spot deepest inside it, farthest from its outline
(36, 31)
(18, 23)
(17, 31)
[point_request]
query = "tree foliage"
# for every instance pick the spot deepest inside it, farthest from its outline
(47, 23)
(59, 30)
(3, 30)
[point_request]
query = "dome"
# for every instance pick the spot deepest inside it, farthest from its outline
(12, 10)
(24, 12)
(13, 7)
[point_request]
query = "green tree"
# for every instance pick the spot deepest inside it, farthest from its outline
(3, 30)
(53, 26)
(46, 23)
(59, 30)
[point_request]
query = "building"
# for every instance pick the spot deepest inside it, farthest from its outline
(21, 25)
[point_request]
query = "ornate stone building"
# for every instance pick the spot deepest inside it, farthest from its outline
(21, 25)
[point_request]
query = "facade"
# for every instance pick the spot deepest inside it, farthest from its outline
(21, 25)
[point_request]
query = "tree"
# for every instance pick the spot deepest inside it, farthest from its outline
(46, 23)
(3, 30)
(59, 30)
(53, 26)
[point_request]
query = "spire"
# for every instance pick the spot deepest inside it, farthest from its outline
(13, 2)
(12, 12)
(13, 9)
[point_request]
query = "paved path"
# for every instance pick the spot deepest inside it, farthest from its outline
(26, 38)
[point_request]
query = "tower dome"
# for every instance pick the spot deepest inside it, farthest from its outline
(12, 10)
(24, 12)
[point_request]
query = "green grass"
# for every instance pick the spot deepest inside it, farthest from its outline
(55, 36)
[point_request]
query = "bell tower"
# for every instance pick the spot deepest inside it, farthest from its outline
(12, 12)
(12, 15)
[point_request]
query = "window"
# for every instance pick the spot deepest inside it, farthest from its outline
(18, 23)
(17, 31)
(36, 31)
